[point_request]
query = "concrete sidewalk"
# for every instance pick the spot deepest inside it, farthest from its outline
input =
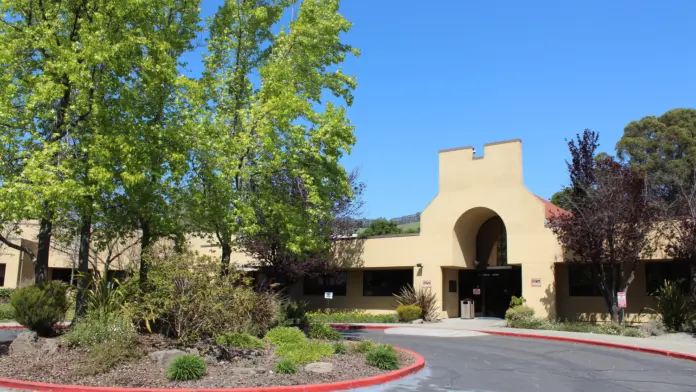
(679, 349)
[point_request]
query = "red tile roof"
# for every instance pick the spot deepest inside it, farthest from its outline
(550, 208)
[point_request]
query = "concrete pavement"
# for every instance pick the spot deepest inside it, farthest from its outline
(503, 364)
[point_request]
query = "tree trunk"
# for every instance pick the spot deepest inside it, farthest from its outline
(83, 266)
(44, 246)
(693, 280)
(145, 240)
(226, 258)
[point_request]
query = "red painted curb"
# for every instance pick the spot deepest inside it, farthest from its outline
(336, 386)
(666, 353)
(353, 327)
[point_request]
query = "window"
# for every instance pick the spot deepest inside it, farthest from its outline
(383, 283)
(582, 282)
(2, 275)
(61, 274)
(657, 273)
(321, 284)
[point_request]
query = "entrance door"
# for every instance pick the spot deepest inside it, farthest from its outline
(491, 288)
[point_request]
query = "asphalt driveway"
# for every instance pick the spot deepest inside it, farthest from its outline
(503, 364)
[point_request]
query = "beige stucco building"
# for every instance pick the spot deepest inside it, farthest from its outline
(483, 237)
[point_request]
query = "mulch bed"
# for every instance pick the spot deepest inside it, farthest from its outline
(64, 368)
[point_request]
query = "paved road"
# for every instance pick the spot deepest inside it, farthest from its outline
(503, 364)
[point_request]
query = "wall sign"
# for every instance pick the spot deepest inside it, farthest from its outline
(621, 299)
(536, 282)
(477, 291)
(426, 283)
(328, 295)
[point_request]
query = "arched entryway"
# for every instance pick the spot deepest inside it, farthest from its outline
(489, 279)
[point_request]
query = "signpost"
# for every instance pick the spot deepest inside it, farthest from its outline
(621, 299)
(329, 296)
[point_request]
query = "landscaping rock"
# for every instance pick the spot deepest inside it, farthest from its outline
(26, 343)
(319, 367)
(419, 321)
(193, 351)
(165, 357)
(50, 346)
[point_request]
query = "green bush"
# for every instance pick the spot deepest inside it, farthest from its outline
(6, 312)
(305, 352)
(285, 335)
(519, 315)
(292, 314)
(93, 331)
(674, 309)
(340, 348)
(383, 357)
(423, 297)
(517, 301)
(186, 367)
(182, 300)
(285, 366)
(363, 346)
(408, 313)
(332, 316)
(5, 293)
(633, 332)
(324, 331)
(239, 340)
(40, 307)
(106, 355)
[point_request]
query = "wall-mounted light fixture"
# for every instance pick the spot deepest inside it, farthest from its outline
(419, 265)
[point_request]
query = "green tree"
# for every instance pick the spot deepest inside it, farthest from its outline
(262, 110)
(662, 148)
(562, 198)
(381, 226)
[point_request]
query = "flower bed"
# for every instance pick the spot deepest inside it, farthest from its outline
(249, 368)
(350, 317)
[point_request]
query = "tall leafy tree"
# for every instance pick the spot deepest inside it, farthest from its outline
(381, 226)
(608, 228)
(274, 101)
(663, 148)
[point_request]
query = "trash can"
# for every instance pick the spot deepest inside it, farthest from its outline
(467, 308)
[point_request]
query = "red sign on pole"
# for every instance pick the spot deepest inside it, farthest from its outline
(621, 297)
(477, 291)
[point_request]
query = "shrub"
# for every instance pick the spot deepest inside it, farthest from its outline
(331, 316)
(6, 312)
(5, 293)
(383, 357)
(285, 366)
(324, 331)
(518, 314)
(104, 356)
(264, 312)
(340, 348)
(285, 335)
(186, 297)
(305, 352)
(106, 295)
(186, 367)
(94, 331)
(292, 314)
(633, 332)
(40, 307)
(239, 340)
(653, 328)
(674, 308)
(517, 301)
(408, 313)
(363, 346)
(424, 298)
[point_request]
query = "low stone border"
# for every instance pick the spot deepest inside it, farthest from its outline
(666, 353)
(336, 386)
(353, 327)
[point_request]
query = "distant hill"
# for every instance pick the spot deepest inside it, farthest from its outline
(402, 220)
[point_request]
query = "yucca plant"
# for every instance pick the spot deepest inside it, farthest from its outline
(104, 296)
(422, 297)
(673, 306)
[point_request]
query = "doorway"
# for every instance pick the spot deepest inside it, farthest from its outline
(490, 288)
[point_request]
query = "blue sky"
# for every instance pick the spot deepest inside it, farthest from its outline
(444, 74)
